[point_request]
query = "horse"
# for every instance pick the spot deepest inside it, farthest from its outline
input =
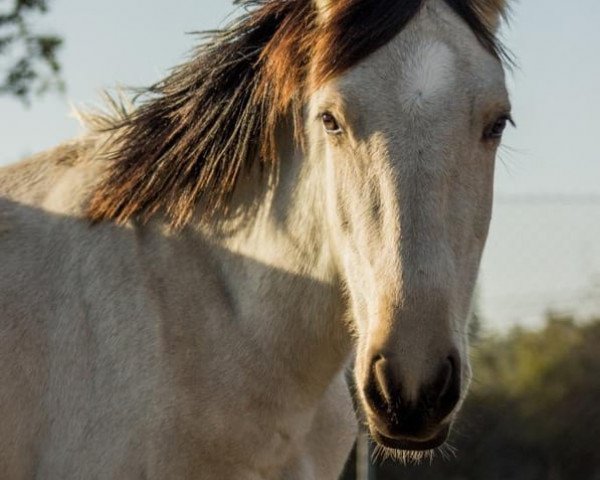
(184, 286)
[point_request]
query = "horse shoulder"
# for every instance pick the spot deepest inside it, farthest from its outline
(74, 311)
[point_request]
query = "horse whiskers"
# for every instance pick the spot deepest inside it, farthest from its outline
(406, 457)
(411, 457)
(447, 451)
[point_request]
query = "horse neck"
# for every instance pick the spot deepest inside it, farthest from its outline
(279, 269)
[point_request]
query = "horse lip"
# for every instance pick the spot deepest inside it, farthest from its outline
(412, 444)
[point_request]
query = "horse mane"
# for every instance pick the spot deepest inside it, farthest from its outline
(197, 131)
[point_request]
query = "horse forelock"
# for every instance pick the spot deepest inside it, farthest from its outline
(196, 132)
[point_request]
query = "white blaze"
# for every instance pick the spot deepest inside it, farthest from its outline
(430, 74)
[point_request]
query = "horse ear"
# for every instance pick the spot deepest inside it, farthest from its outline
(493, 12)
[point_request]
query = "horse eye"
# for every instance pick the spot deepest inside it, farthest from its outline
(495, 131)
(330, 123)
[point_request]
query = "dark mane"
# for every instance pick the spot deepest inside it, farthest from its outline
(198, 130)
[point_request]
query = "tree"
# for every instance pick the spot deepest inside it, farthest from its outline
(28, 60)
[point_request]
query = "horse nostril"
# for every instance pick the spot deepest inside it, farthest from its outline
(445, 378)
(383, 377)
(443, 395)
(378, 390)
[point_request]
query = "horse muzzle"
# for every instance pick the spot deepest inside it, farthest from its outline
(411, 419)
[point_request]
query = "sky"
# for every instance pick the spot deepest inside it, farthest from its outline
(548, 177)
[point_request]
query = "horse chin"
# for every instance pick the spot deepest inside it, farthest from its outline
(412, 444)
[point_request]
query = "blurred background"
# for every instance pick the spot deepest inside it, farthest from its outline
(534, 411)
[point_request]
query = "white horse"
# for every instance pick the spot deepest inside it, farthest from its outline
(182, 288)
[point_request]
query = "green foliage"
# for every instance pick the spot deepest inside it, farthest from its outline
(533, 412)
(29, 59)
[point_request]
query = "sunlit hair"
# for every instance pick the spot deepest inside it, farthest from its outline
(196, 132)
